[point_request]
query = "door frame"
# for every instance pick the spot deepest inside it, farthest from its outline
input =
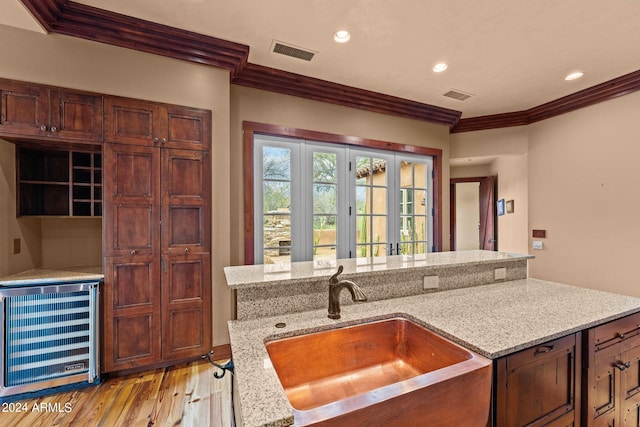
(452, 208)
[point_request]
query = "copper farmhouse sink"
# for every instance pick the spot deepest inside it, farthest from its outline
(385, 372)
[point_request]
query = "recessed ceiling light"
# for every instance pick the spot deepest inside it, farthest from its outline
(440, 67)
(342, 36)
(575, 75)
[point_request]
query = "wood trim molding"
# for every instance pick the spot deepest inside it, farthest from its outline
(45, 12)
(252, 128)
(620, 86)
(274, 80)
(91, 23)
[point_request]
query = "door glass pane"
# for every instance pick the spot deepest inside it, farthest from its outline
(276, 196)
(371, 206)
(420, 175)
(276, 204)
(325, 198)
(414, 209)
(379, 201)
(325, 167)
(276, 163)
(406, 174)
(325, 205)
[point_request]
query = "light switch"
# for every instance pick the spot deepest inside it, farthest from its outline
(537, 244)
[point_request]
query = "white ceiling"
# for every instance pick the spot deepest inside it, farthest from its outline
(510, 54)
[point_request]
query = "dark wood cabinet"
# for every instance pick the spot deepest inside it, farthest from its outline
(37, 111)
(611, 374)
(155, 202)
(58, 182)
(131, 121)
(540, 386)
(157, 253)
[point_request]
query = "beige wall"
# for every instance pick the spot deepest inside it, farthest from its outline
(584, 190)
(74, 63)
(575, 176)
(512, 185)
(25, 229)
(470, 171)
(71, 241)
(272, 108)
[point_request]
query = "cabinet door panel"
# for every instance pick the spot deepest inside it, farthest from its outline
(186, 210)
(630, 387)
(538, 385)
(605, 420)
(132, 200)
(24, 108)
(188, 128)
(77, 116)
(130, 121)
(131, 312)
(186, 306)
(603, 380)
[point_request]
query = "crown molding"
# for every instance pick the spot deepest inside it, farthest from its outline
(91, 23)
(46, 12)
(619, 86)
(274, 80)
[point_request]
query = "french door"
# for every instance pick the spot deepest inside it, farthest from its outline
(317, 201)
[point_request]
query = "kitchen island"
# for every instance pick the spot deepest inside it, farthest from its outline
(493, 320)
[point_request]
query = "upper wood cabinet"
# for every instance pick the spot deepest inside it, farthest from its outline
(131, 121)
(36, 111)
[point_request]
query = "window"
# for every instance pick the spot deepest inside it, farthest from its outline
(319, 201)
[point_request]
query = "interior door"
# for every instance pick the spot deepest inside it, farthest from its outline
(487, 214)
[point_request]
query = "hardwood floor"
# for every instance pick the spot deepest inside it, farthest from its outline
(182, 395)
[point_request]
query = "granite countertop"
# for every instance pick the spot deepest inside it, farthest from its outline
(247, 276)
(44, 276)
(492, 320)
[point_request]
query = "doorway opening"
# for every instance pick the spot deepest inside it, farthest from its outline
(473, 222)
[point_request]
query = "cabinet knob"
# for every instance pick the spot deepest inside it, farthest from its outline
(43, 128)
(54, 129)
(622, 366)
(186, 250)
(164, 140)
(133, 252)
(155, 140)
(621, 335)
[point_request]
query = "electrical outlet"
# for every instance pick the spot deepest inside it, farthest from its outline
(16, 246)
(500, 273)
(537, 244)
(431, 282)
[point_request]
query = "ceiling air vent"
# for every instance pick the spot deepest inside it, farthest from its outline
(293, 51)
(458, 94)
